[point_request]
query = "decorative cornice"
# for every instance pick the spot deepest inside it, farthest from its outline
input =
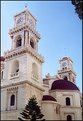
(66, 70)
(23, 27)
(22, 82)
(22, 50)
(10, 111)
(12, 88)
(57, 90)
(66, 58)
(25, 11)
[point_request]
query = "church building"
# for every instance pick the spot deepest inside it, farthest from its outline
(21, 77)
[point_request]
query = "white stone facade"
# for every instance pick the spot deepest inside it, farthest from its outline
(21, 76)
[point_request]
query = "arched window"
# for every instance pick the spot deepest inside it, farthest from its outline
(12, 100)
(34, 69)
(81, 103)
(65, 78)
(2, 75)
(18, 42)
(32, 43)
(57, 110)
(67, 101)
(73, 79)
(15, 68)
(65, 67)
(69, 118)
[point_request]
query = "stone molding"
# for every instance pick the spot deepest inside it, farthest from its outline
(23, 27)
(23, 82)
(22, 50)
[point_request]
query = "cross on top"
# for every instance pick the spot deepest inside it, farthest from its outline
(25, 5)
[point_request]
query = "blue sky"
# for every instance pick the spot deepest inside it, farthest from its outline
(60, 29)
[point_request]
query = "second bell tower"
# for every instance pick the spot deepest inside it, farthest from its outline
(66, 69)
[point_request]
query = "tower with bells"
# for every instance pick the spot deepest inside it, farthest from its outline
(66, 69)
(22, 67)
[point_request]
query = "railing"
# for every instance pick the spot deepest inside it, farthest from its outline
(34, 76)
(15, 74)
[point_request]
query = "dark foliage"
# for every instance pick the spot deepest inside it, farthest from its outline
(32, 111)
(78, 7)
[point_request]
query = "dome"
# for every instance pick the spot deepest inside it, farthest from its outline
(63, 85)
(2, 58)
(48, 98)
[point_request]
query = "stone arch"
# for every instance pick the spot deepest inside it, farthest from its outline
(12, 100)
(35, 69)
(65, 78)
(32, 43)
(18, 41)
(2, 74)
(69, 118)
(73, 79)
(67, 101)
(15, 68)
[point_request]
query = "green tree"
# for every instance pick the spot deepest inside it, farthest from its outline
(78, 4)
(32, 111)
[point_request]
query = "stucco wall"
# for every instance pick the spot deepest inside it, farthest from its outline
(49, 110)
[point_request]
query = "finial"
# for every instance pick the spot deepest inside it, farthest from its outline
(25, 5)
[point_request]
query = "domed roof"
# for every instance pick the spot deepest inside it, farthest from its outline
(63, 85)
(2, 58)
(48, 98)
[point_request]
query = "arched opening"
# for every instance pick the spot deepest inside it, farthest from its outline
(32, 43)
(2, 75)
(73, 79)
(65, 67)
(57, 110)
(18, 42)
(65, 78)
(34, 69)
(69, 118)
(67, 101)
(81, 103)
(12, 100)
(15, 68)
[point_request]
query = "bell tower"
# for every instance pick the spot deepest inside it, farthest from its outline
(22, 67)
(23, 59)
(24, 32)
(66, 69)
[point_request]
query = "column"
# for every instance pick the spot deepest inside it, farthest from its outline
(26, 37)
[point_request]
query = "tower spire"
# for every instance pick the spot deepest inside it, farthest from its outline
(66, 69)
